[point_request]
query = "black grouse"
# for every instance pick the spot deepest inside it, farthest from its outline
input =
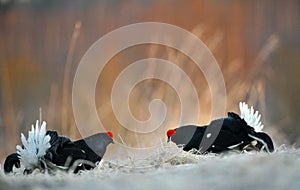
(49, 150)
(225, 134)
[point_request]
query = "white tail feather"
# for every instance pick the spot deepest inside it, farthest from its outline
(35, 147)
(251, 118)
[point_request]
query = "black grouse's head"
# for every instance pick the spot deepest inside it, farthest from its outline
(98, 142)
(170, 133)
(181, 135)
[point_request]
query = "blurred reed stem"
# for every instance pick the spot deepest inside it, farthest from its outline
(9, 116)
(66, 124)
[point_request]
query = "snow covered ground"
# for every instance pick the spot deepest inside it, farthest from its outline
(176, 170)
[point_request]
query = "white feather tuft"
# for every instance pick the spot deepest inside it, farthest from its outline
(35, 147)
(251, 118)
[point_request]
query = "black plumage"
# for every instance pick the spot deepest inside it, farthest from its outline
(11, 161)
(63, 152)
(230, 133)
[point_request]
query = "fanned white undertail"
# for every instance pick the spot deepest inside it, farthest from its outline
(34, 147)
(252, 118)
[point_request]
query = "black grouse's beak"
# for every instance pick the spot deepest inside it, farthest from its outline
(169, 139)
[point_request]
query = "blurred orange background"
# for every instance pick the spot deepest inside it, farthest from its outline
(256, 44)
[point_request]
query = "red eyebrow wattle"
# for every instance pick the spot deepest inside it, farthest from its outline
(110, 134)
(171, 132)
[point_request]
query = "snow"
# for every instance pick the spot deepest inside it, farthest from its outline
(175, 169)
